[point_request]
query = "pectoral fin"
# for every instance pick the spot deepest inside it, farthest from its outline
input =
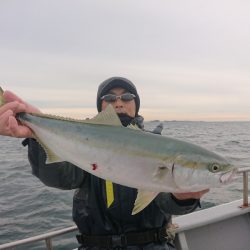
(142, 200)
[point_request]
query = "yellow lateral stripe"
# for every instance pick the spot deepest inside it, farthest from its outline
(109, 193)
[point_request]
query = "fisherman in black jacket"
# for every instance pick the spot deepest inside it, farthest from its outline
(102, 209)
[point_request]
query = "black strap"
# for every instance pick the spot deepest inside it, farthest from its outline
(111, 241)
(25, 142)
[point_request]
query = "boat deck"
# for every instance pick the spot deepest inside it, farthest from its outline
(223, 227)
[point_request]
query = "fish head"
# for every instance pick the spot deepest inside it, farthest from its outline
(196, 172)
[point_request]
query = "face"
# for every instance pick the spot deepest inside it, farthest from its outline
(121, 107)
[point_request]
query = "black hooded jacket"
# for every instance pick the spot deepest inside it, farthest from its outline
(91, 212)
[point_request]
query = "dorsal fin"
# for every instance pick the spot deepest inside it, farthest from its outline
(131, 126)
(106, 117)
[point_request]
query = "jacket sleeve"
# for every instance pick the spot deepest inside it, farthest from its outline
(168, 204)
(63, 175)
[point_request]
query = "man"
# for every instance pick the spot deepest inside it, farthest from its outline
(102, 209)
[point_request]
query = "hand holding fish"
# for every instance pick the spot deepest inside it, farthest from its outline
(190, 195)
(9, 126)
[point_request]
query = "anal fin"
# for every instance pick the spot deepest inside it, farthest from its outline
(51, 156)
(143, 199)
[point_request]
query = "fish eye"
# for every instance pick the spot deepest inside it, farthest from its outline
(214, 167)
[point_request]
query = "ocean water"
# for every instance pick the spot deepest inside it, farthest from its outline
(28, 207)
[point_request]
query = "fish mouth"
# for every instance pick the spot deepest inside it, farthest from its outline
(228, 177)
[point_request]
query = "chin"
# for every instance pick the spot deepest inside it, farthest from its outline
(121, 112)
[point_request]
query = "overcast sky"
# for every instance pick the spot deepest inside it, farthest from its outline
(190, 60)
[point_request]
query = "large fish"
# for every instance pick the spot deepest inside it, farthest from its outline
(128, 156)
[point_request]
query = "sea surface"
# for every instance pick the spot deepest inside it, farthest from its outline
(29, 208)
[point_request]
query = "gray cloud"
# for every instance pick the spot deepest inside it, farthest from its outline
(195, 51)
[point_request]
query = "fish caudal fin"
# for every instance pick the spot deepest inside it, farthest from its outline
(142, 200)
(1, 97)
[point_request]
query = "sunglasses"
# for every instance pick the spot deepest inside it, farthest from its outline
(112, 98)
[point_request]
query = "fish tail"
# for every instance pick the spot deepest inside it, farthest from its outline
(1, 97)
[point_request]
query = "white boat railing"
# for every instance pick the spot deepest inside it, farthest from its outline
(47, 237)
(245, 171)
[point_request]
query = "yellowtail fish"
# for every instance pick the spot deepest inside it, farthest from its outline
(129, 156)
